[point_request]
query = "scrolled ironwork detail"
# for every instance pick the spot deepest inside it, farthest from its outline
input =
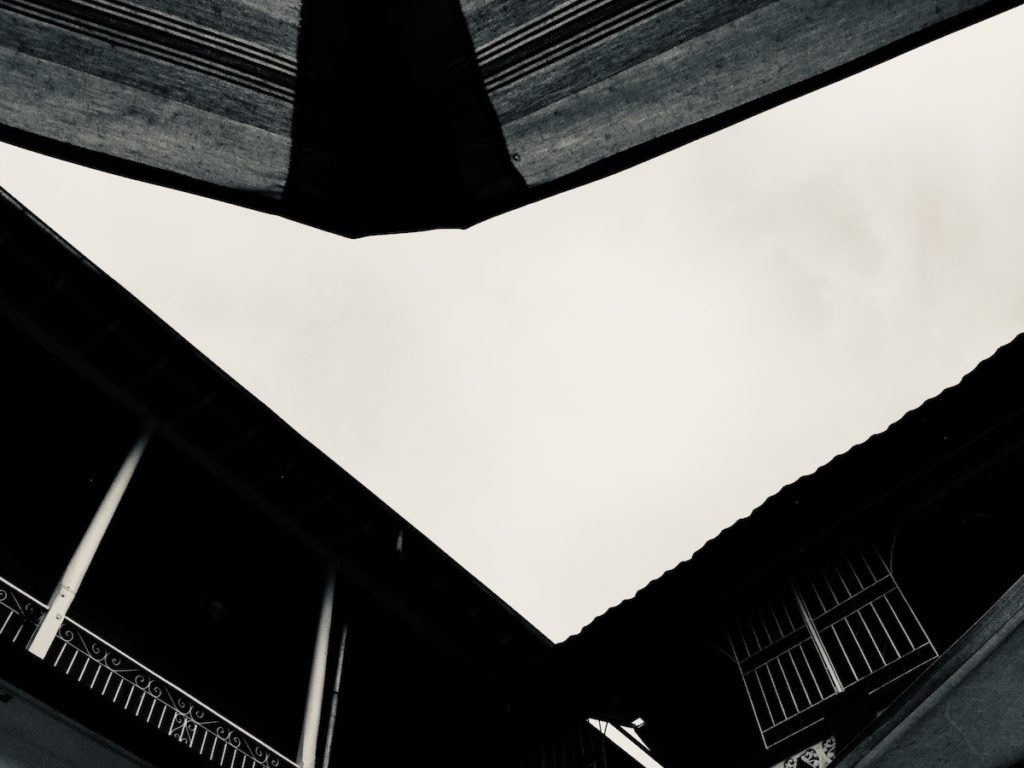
(19, 614)
(141, 693)
(145, 695)
(819, 755)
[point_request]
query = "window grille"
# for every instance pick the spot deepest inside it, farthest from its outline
(835, 626)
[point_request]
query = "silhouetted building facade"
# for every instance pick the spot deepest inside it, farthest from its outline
(858, 601)
(184, 580)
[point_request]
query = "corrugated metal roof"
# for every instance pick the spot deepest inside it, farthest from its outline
(987, 402)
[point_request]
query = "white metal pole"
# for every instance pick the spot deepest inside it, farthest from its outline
(317, 680)
(332, 719)
(819, 644)
(80, 561)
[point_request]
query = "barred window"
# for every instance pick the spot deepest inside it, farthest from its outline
(834, 626)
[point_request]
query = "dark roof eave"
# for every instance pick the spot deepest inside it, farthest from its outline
(342, 519)
(985, 405)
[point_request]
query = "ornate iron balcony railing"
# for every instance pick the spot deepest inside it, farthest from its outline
(19, 613)
(137, 690)
(842, 624)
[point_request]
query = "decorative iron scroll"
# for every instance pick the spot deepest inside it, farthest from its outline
(19, 613)
(145, 695)
(819, 755)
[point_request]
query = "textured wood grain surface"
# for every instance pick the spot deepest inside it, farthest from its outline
(416, 115)
(586, 80)
(205, 90)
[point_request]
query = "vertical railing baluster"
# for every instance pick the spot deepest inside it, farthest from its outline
(764, 696)
(827, 583)
(842, 648)
(775, 689)
(846, 621)
(849, 564)
(76, 646)
(842, 580)
(864, 557)
(817, 594)
(810, 671)
(885, 629)
(789, 688)
(871, 635)
(796, 670)
(764, 624)
(775, 617)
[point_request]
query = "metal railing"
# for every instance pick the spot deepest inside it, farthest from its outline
(819, 755)
(137, 690)
(785, 687)
(842, 624)
(19, 613)
(875, 637)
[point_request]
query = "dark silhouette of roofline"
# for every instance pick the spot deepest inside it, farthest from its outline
(956, 428)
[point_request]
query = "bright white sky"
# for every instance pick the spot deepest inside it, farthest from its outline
(572, 398)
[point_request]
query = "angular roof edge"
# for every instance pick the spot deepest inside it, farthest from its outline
(943, 425)
(118, 308)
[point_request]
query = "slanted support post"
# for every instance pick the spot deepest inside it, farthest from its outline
(335, 691)
(819, 644)
(317, 679)
(71, 579)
